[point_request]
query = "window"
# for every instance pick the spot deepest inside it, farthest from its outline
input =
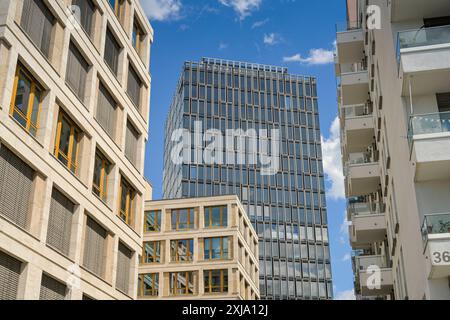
(16, 187)
(182, 250)
(183, 219)
(38, 22)
(95, 247)
(106, 111)
(127, 194)
(77, 69)
(112, 51)
(9, 277)
(151, 252)
(148, 285)
(216, 217)
(137, 37)
(67, 142)
(216, 248)
(117, 6)
(52, 289)
(87, 11)
(216, 281)
(182, 283)
(134, 86)
(27, 100)
(152, 221)
(124, 257)
(131, 143)
(101, 171)
(60, 222)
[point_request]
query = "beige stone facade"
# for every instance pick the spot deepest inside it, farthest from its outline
(394, 105)
(208, 241)
(74, 109)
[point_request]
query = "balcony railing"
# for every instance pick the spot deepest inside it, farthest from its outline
(354, 111)
(423, 37)
(353, 67)
(364, 208)
(362, 262)
(348, 26)
(438, 223)
(430, 123)
(361, 158)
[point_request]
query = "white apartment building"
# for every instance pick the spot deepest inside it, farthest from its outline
(393, 66)
(74, 111)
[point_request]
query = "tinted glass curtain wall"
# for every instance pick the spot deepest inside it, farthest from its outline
(288, 208)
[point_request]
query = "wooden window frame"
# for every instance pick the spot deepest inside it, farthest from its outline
(102, 189)
(154, 292)
(118, 8)
(158, 220)
(156, 255)
(176, 256)
(223, 286)
(20, 70)
(209, 217)
(189, 276)
(177, 213)
(137, 36)
(75, 133)
(126, 215)
(210, 249)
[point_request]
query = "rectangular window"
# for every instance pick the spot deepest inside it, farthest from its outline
(148, 285)
(95, 247)
(60, 222)
(131, 143)
(68, 137)
(77, 70)
(216, 217)
(112, 51)
(102, 168)
(127, 194)
(151, 252)
(38, 22)
(134, 86)
(137, 36)
(216, 248)
(182, 250)
(87, 11)
(124, 257)
(16, 187)
(182, 283)
(216, 281)
(106, 111)
(26, 101)
(10, 269)
(118, 7)
(153, 221)
(183, 219)
(52, 289)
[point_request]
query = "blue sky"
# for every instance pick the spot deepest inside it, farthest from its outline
(298, 34)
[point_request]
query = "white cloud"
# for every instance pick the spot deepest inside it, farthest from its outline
(315, 57)
(345, 295)
(161, 10)
(346, 257)
(259, 24)
(242, 7)
(223, 46)
(332, 162)
(271, 39)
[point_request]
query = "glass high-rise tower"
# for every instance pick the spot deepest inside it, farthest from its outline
(286, 205)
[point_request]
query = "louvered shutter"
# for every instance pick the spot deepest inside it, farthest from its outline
(87, 9)
(77, 69)
(123, 268)
(60, 222)
(106, 111)
(9, 277)
(95, 247)
(112, 50)
(52, 289)
(16, 184)
(131, 143)
(134, 86)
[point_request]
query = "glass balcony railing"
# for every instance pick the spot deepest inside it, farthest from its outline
(362, 262)
(353, 67)
(354, 111)
(435, 224)
(438, 122)
(361, 158)
(364, 208)
(423, 37)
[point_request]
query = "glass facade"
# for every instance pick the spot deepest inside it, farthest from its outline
(287, 208)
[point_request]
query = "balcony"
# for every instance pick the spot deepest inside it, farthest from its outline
(424, 57)
(358, 125)
(349, 42)
(354, 83)
(403, 10)
(436, 237)
(374, 275)
(362, 173)
(368, 223)
(429, 138)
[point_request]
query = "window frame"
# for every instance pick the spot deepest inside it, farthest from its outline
(176, 256)
(157, 219)
(21, 70)
(156, 245)
(103, 187)
(128, 214)
(118, 7)
(154, 292)
(208, 285)
(137, 35)
(189, 276)
(177, 213)
(223, 223)
(210, 249)
(75, 132)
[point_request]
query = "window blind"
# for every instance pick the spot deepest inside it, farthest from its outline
(106, 110)
(134, 86)
(9, 277)
(52, 289)
(131, 143)
(87, 10)
(60, 222)
(95, 247)
(123, 268)
(16, 184)
(112, 50)
(77, 69)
